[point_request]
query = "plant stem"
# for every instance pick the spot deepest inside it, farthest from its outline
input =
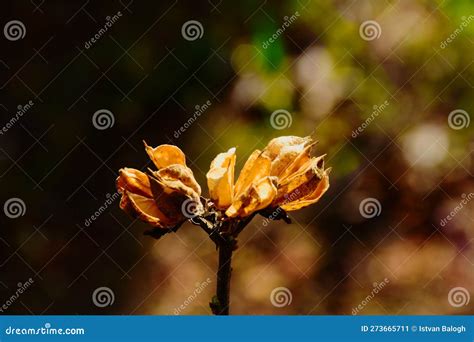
(223, 277)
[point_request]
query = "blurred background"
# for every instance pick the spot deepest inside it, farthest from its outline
(385, 86)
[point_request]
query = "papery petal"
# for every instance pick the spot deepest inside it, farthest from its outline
(302, 183)
(172, 198)
(274, 147)
(220, 179)
(134, 181)
(181, 173)
(318, 191)
(290, 159)
(165, 155)
(258, 196)
(256, 167)
(145, 209)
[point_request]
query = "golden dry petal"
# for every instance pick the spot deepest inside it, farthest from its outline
(256, 167)
(290, 159)
(274, 147)
(258, 196)
(220, 179)
(146, 210)
(172, 198)
(319, 190)
(134, 181)
(298, 164)
(300, 184)
(165, 155)
(181, 173)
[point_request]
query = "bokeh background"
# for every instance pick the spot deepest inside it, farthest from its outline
(373, 81)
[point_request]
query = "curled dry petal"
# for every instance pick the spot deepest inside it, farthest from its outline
(275, 146)
(181, 173)
(165, 155)
(134, 181)
(171, 197)
(256, 167)
(258, 196)
(220, 179)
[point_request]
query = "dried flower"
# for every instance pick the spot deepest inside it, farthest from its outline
(158, 197)
(282, 175)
